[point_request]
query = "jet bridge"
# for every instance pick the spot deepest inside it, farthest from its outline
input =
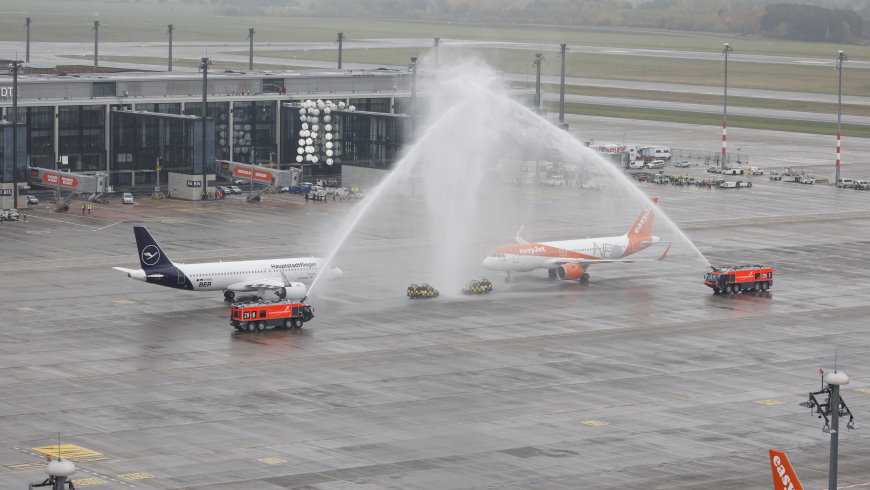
(258, 174)
(93, 186)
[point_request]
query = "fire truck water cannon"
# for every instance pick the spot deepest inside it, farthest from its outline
(739, 278)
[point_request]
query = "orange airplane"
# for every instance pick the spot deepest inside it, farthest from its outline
(569, 259)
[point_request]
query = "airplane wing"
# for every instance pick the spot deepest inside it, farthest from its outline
(271, 283)
(557, 262)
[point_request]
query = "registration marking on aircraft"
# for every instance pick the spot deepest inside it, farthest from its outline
(595, 423)
(770, 403)
(272, 460)
(123, 301)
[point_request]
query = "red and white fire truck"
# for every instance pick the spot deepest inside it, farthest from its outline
(737, 278)
(256, 316)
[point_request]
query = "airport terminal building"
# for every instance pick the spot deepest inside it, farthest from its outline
(128, 124)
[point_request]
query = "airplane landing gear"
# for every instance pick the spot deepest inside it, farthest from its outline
(585, 277)
(229, 295)
(507, 278)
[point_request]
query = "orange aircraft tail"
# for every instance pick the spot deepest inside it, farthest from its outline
(642, 226)
(784, 477)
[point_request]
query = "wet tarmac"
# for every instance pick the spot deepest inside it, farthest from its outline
(639, 379)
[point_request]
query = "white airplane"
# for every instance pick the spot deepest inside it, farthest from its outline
(282, 276)
(569, 259)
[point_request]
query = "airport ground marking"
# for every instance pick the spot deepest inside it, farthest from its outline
(595, 423)
(24, 308)
(272, 460)
(770, 403)
(863, 390)
(83, 482)
(69, 451)
(136, 476)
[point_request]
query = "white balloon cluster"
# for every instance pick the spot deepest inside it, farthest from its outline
(311, 141)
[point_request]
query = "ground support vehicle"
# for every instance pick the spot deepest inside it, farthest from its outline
(861, 185)
(422, 291)
(482, 286)
(737, 278)
(775, 175)
(258, 315)
(8, 215)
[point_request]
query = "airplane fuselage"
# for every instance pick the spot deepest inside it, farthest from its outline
(220, 276)
(547, 255)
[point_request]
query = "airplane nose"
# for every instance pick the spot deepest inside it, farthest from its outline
(489, 263)
(336, 272)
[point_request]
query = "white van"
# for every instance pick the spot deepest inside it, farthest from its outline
(845, 183)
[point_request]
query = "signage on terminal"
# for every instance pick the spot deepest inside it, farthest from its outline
(65, 181)
(5, 192)
(6, 92)
(194, 183)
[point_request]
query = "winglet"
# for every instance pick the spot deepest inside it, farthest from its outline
(665, 253)
(784, 477)
(519, 238)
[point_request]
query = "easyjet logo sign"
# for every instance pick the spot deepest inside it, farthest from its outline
(533, 250)
(642, 220)
(782, 472)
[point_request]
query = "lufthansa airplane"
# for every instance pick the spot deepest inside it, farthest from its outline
(569, 259)
(284, 277)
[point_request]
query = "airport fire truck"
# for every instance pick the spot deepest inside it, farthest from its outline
(737, 278)
(256, 316)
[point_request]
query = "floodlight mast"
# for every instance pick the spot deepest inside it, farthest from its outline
(831, 411)
(14, 68)
(27, 55)
(539, 57)
(169, 31)
(96, 43)
(340, 42)
(204, 67)
(563, 49)
(251, 33)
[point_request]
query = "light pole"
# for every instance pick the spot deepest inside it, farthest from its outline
(27, 25)
(435, 44)
(204, 67)
(413, 67)
(538, 58)
(169, 31)
(841, 57)
(251, 33)
(726, 52)
(563, 49)
(14, 68)
(834, 407)
(96, 42)
(340, 41)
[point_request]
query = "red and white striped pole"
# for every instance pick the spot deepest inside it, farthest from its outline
(840, 59)
(722, 165)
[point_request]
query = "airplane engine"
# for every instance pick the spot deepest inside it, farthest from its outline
(295, 290)
(570, 272)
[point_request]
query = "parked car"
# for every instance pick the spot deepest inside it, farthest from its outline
(656, 164)
(32, 200)
(683, 164)
(127, 198)
(235, 189)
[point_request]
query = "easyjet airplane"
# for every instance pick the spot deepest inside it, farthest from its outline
(569, 259)
(281, 276)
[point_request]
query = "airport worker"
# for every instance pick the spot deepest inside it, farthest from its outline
(83, 209)
(306, 197)
(89, 208)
